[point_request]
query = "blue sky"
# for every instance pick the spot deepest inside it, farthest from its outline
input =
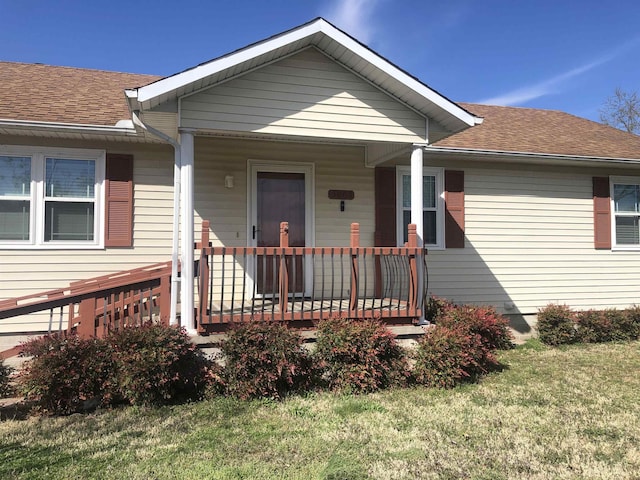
(559, 54)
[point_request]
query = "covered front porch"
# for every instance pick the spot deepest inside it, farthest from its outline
(291, 129)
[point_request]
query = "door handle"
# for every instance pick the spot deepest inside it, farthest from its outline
(255, 230)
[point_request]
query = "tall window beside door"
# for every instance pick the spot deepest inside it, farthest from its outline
(432, 205)
(51, 198)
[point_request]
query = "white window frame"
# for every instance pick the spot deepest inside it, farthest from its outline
(621, 181)
(438, 173)
(38, 157)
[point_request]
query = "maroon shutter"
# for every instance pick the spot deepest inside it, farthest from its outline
(385, 206)
(119, 201)
(454, 208)
(601, 213)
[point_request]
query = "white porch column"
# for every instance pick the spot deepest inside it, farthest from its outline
(175, 246)
(416, 192)
(187, 319)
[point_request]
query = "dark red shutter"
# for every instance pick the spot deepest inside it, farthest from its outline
(454, 208)
(119, 201)
(385, 206)
(601, 213)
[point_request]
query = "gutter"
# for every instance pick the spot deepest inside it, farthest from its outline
(118, 129)
(533, 155)
(173, 318)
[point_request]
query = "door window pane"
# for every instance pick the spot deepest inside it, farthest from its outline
(15, 176)
(14, 219)
(68, 221)
(70, 178)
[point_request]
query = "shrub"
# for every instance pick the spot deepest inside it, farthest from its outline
(489, 325)
(66, 373)
(5, 380)
(265, 360)
(435, 307)
(597, 326)
(157, 364)
(444, 357)
(632, 322)
(556, 325)
(359, 355)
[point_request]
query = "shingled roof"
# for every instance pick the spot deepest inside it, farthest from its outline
(45, 93)
(35, 92)
(529, 130)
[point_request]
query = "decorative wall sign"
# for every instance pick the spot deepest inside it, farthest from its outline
(341, 194)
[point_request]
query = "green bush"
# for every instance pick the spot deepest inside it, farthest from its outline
(157, 364)
(5, 380)
(597, 326)
(556, 325)
(444, 357)
(66, 373)
(265, 360)
(359, 355)
(632, 322)
(435, 307)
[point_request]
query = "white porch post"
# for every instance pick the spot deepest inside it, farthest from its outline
(175, 247)
(187, 319)
(416, 192)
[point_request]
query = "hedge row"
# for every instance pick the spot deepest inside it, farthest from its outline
(560, 325)
(152, 364)
(147, 365)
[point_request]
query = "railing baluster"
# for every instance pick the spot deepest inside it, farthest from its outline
(50, 319)
(295, 284)
(313, 280)
(60, 319)
(209, 299)
(323, 255)
(364, 293)
(274, 283)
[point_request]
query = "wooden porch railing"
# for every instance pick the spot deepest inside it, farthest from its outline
(286, 283)
(100, 304)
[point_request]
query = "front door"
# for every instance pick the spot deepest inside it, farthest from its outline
(280, 195)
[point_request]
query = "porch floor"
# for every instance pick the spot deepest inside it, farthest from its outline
(301, 309)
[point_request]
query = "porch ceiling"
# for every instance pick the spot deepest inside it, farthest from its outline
(334, 43)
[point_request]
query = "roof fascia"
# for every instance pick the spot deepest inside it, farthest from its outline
(172, 83)
(534, 156)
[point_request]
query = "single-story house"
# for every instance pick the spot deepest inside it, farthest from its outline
(104, 172)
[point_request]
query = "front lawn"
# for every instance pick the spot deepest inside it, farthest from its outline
(572, 412)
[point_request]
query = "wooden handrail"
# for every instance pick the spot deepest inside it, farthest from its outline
(80, 290)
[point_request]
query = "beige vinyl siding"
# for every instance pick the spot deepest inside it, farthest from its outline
(25, 272)
(306, 94)
(335, 168)
(529, 241)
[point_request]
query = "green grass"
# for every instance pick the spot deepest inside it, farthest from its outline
(553, 413)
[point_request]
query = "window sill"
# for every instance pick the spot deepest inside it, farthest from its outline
(53, 246)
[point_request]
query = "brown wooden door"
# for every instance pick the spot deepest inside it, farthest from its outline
(280, 198)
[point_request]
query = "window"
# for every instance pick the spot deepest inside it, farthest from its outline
(432, 206)
(625, 206)
(51, 198)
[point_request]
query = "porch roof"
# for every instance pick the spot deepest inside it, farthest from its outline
(334, 43)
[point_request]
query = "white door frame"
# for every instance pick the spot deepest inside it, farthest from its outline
(308, 169)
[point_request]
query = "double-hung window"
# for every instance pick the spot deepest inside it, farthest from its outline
(432, 206)
(625, 206)
(51, 198)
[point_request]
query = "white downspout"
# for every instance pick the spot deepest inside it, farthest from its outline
(175, 280)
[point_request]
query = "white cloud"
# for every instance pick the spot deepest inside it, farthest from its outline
(554, 84)
(354, 17)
